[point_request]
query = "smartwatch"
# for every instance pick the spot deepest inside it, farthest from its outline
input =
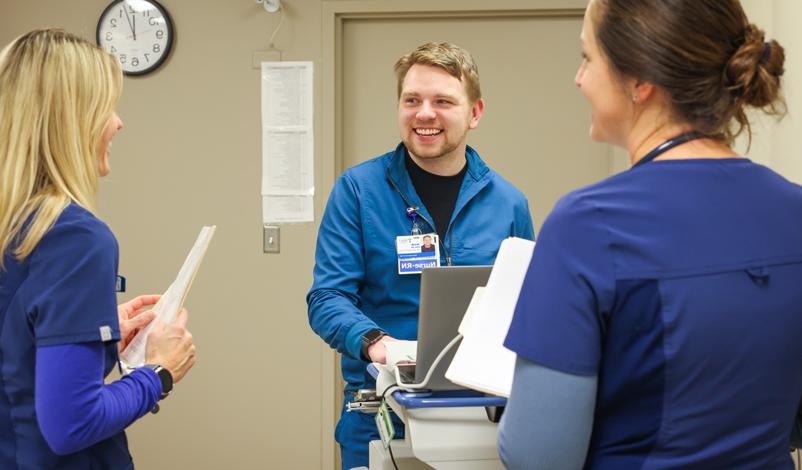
(369, 338)
(165, 377)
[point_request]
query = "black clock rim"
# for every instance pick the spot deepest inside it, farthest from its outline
(168, 46)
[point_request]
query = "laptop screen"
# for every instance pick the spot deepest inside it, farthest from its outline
(445, 294)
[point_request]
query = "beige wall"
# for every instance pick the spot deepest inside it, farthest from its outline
(189, 155)
(261, 394)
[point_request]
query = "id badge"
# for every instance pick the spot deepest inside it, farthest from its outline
(120, 285)
(417, 252)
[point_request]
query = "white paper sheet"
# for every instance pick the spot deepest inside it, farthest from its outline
(277, 209)
(171, 301)
(287, 142)
(482, 362)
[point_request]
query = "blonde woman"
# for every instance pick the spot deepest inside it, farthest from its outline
(60, 327)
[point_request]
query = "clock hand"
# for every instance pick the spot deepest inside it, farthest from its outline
(128, 18)
(134, 28)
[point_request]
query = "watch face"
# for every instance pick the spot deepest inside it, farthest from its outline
(372, 336)
(138, 32)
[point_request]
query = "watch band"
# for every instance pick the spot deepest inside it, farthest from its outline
(369, 338)
(166, 379)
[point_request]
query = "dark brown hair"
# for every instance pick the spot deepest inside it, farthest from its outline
(704, 53)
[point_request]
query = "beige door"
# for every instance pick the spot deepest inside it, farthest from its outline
(535, 128)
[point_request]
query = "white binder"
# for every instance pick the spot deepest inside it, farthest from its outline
(482, 362)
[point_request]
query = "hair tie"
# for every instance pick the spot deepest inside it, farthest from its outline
(766, 52)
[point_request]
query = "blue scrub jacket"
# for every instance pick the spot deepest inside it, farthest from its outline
(356, 282)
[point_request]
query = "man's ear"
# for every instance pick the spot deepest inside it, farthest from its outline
(477, 110)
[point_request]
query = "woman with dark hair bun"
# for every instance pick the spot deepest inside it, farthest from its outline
(657, 326)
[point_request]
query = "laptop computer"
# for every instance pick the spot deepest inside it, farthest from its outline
(445, 293)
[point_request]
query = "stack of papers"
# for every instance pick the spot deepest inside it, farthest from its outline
(170, 303)
(482, 362)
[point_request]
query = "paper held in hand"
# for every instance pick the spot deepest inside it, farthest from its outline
(482, 362)
(171, 301)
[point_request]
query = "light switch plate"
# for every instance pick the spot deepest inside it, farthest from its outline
(271, 239)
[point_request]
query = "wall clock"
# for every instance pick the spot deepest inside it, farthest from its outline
(138, 32)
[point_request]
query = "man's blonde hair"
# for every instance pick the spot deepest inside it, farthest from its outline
(453, 59)
(57, 92)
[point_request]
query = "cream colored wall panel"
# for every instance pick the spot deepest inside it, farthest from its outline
(760, 148)
(777, 144)
(787, 142)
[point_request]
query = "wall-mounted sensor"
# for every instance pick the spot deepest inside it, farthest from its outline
(271, 6)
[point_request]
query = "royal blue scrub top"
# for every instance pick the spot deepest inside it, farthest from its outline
(63, 293)
(679, 284)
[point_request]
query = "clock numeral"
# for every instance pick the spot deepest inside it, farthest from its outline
(121, 12)
(112, 49)
(113, 22)
(147, 57)
(123, 58)
(159, 34)
(156, 48)
(108, 36)
(135, 61)
(152, 21)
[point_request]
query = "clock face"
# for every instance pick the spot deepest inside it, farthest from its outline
(138, 32)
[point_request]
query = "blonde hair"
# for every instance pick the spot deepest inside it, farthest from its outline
(453, 59)
(57, 92)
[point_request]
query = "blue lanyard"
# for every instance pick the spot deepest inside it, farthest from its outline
(412, 213)
(668, 145)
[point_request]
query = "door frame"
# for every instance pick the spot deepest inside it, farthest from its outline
(335, 13)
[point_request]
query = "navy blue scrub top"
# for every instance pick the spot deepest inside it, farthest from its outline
(679, 284)
(63, 293)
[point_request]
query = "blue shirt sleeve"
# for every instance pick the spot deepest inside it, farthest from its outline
(73, 406)
(548, 419)
(71, 283)
(339, 274)
(568, 290)
(523, 221)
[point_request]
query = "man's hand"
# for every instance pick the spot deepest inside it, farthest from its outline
(377, 352)
(133, 317)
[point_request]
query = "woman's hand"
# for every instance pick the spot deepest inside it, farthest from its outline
(171, 347)
(133, 317)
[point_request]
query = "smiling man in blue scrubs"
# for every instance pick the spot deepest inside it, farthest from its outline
(432, 183)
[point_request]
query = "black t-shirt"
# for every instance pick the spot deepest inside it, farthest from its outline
(438, 193)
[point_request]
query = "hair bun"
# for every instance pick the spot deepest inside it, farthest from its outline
(752, 74)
